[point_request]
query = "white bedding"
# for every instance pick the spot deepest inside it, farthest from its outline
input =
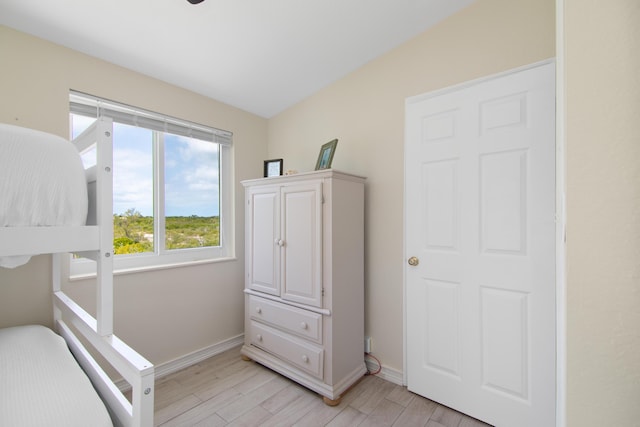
(41, 384)
(42, 182)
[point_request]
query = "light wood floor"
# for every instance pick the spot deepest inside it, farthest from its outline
(227, 391)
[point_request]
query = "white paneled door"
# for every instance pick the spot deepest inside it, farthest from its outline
(480, 247)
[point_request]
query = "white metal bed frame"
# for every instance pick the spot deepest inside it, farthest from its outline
(94, 241)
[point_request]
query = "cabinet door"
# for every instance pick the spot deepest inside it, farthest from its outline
(263, 237)
(301, 251)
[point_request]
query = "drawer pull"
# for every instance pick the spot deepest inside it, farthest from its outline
(259, 337)
(258, 310)
(304, 325)
(305, 358)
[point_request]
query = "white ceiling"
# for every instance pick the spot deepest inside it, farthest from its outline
(261, 56)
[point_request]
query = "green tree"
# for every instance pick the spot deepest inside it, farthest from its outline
(133, 233)
(125, 221)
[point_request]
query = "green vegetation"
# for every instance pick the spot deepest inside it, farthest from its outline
(133, 233)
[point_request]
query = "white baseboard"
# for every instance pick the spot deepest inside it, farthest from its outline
(164, 369)
(167, 368)
(389, 374)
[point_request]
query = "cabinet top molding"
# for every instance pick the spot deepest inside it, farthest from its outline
(324, 173)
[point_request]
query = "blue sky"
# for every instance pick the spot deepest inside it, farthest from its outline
(191, 172)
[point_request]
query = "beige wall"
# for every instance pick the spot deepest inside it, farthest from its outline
(602, 57)
(169, 313)
(164, 314)
(365, 111)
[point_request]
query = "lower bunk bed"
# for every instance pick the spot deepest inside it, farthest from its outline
(41, 383)
(50, 379)
(46, 377)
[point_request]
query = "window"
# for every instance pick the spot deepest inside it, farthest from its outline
(171, 186)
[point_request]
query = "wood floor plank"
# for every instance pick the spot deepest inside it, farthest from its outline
(320, 414)
(384, 415)
(260, 378)
(467, 421)
(212, 421)
(167, 393)
(291, 413)
(401, 396)
(417, 413)
(246, 402)
(283, 398)
(197, 378)
(203, 411)
(446, 416)
(189, 372)
(227, 391)
(207, 391)
(347, 418)
(256, 417)
(234, 366)
(175, 408)
(371, 398)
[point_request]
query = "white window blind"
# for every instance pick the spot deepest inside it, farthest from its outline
(91, 106)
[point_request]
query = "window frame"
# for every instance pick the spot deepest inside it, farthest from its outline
(162, 257)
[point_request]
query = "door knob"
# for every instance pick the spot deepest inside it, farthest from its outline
(413, 261)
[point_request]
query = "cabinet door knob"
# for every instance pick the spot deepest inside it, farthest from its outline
(259, 337)
(279, 242)
(305, 359)
(304, 325)
(258, 310)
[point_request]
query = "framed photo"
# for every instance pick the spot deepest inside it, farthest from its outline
(326, 155)
(273, 167)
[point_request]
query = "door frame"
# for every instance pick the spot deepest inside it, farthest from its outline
(560, 195)
(561, 222)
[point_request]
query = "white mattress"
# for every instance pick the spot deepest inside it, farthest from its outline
(42, 181)
(41, 384)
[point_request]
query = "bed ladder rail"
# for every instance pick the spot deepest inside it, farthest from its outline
(99, 136)
(44, 240)
(133, 367)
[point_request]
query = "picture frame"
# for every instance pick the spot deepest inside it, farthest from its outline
(325, 157)
(273, 167)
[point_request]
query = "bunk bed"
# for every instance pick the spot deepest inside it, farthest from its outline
(49, 204)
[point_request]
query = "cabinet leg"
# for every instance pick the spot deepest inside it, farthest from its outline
(245, 358)
(336, 402)
(331, 402)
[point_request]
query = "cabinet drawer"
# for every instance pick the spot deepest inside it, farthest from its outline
(306, 357)
(305, 324)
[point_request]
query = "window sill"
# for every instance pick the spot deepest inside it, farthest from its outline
(134, 270)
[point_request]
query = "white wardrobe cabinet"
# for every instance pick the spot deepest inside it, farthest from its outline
(304, 282)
